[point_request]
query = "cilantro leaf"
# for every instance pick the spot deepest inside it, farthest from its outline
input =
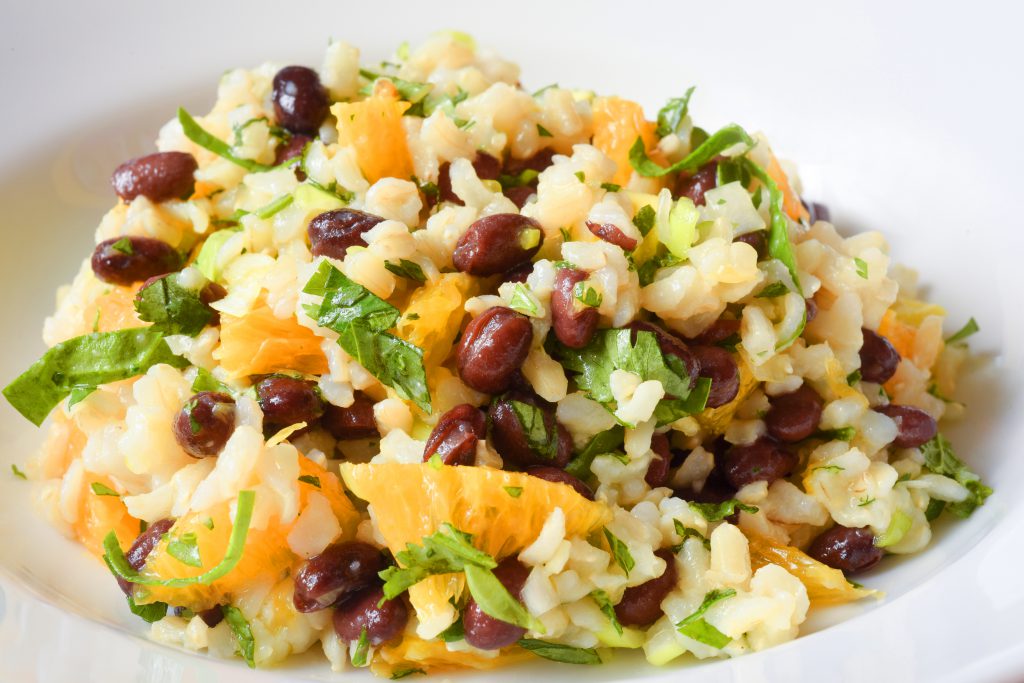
(197, 134)
(103, 490)
(620, 552)
(526, 177)
(969, 328)
(18, 473)
(242, 632)
(522, 301)
(671, 116)
(151, 613)
(185, 549)
(779, 245)
(840, 434)
(607, 608)
(404, 673)
(494, 599)
(410, 91)
(940, 459)
(544, 132)
(772, 290)
(685, 532)
(669, 410)
(862, 267)
(566, 654)
(310, 479)
(716, 512)
(410, 270)
(514, 491)
(454, 633)
(539, 438)
(124, 245)
(695, 626)
(172, 308)
(588, 296)
(716, 144)
(602, 442)
(87, 361)
(644, 219)
(205, 381)
(362, 649)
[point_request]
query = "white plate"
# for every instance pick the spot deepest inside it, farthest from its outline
(903, 119)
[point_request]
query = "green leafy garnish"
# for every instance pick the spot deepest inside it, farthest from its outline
(644, 219)
(118, 563)
(274, 207)
(197, 134)
(840, 434)
(716, 512)
(670, 117)
(525, 177)
(410, 270)
(829, 468)
(934, 509)
(362, 649)
(242, 632)
(586, 295)
(696, 627)
(310, 479)
(669, 410)
(361, 319)
(862, 267)
(620, 552)
(87, 361)
(514, 491)
(521, 300)
(773, 290)
(865, 501)
(103, 490)
(410, 91)
(205, 381)
(566, 654)
(151, 613)
(899, 525)
(206, 261)
(544, 132)
(940, 459)
(172, 308)
(18, 473)
(543, 90)
(686, 532)
(124, 246)
(454, 633)
(853, 378)
(779, 245)
(611, 187)
(971, 327)
(185, 549)
(716, 144)
(602, 442)
(607, 608)
(405, 673)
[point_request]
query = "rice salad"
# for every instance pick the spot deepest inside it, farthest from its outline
(426, 370)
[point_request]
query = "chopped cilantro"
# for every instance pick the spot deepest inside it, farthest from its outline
(853, 378)
(607, 608)
(522, 301)
(362, 650)
(566, 654)
(644, 219)
(405, 673)
(862, 267)
(172, 308)
(581, 176)
(588, 296)
(686, 532)
(239, 626)
(514, 491)
(18, 473)
(620, 552)
(407, 269)
(696, 627)
(310, 479)
(671, 116)
(940, 459)
(969, 328)
(716, 512)
(543, 132)
(197, 134)
(611, 187)
(543, 90)
(709, 149)
(603, 442)
(864, 501)
(841, 434)
(103, 490)
(151, 613)
(124, 246)
(773, 290)
(185, 549)
(205, 381)
(539, 438)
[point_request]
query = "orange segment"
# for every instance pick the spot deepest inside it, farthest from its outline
(790, 202)
(434, 315)
(825, 585)
(260, 343)
(900, 334)
(102, 514)
(617, 125)
(113, 310)
(373, 128)
(432, 655)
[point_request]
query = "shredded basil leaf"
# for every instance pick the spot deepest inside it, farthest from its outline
(310, 479)
(205, 381)
(405, 673)
(779, 245)
(716, 512)
(151, 613)
(539, 439)
(407, 269)
(362, 651)
(603, 442)
(607, 608)
(243, 633)
(940, 459)
(716, 144)
(495, 600)
(185, 549)
(773, 290)
(172, 308)
(620, 552)
(644, 219)
(103, 490)
(899, 525)
(124, 246)
(696, 627)
(670, 117)
(566, 654)
(686, 532)
(544, 132)
(18, 473)
(971, 327)
(197, 134)
(514, 491)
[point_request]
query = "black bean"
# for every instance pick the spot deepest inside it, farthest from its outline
(641, 605)
(383, 621)
(456, 435)
(144, 544)
(670, 345)
(538, 162)
(333, 232)
(158, 177)
(717, 332)
(574, 323)
(818, 212)
(612, 234)
(557, 476)
(205, 424)
(812, 309)
(291, 149)
(497, 243)
(520, 195)
(509, 438)
(354, 422)
(720, 367)
(794, 416)
(339, 572)
(300, 101)
(915, 427)
(850, 550)
(287, 401)
(518, 274)
(486, 167)
(484, 631)
(694, 186)
(763, 460)
(658, 470)
(493, 347)
(758, 240)
(127, 260)
(878, 358)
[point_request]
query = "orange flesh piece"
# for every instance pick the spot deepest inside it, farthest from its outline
(374, 129)
(790, 202)
(617, 125)
(260, 343)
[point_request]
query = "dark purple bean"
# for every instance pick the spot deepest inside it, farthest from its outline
(484, 631)
(493, 347)
(520, 195)
(670, 345)
(127, 260)
(818, 212)
(878, 358)
(354, 422)
(456, 434)
(518, 274)
(794, 416)
(574, 323)
(287, 401)
(658, 470)
(292, 150)
(763, 460)
(641, 605)
(144, 544)
(210, 294)
(717, 332)
(694, 186)
(846, 549)
(497, 243)
(758, 240)
(720, 367)
(486, 167)
(557, 476)
(538, 162)
(205, 424)
(508, 437)
(612, 234)
(383, 621)
(158, 177)
(333, 232)
(915, 427)
(812, 309)
(300, 101)
(339, 572)
(210, 617)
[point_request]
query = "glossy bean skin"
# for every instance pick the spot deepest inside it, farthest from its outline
(658, 470)
(484, 631)
(493, 348)
(126, 260)
(559, 476)
(210, 294)
(612, 234)
(670, 345)
(141, 548)
(287, 401)
(456, 435)
(818, 212)
(291, 149)
(878, 358)
(383, 622)
(494, 244)
(717, 332)
(718, 365)
(758, 240)
(210, 617)
(354, 422)
(794, 416)
(520, 195)
(339, 572)
(518, 274)
(846, 549)
(574, 324)
(333, 232)
(204, 425)
(915, 427)
(300, 101)
(157, 177)
(641, 605)
(509, 439)
(763, 460)
(694, 186)
(812, 310)
(486, 166)
(514, 167)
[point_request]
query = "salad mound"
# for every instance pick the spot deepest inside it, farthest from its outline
(424, 369)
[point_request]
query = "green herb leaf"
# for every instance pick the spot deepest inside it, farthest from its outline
(494, 599)
(669, 410)
(118, 563)
(602, 442)
(454, 633)
(514, 491)
(841, 434)
(940, 459)
(853, 378)
(404, 673)
(205, 381)
(410, 91)
(934, 509)
(407, 269)
(243, 633)
(779, 245)
(531, 418)
(521, 300)
(103, 490)
(716, 144)
(607, 608)
(611, 187)
(274, 207)
(185, 549)
(447, 551)
(971, 327)
(686, 532)
(620, 552)
(87, 361)
(18, 473)
(525, 177)
(671, 116)
(543, 90)
(362, 651)
(829, 468)
(588, 296)
(197, 134)
(899, 525)
(773, 290)
(716, 512)
(310, 479)
(544, 132)
(79, 394)
(151, 613)
(172, 308)
(644, 219)
(124, 246)
(694, 626)
(862, 267)
(865, 501)
(566, 654)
